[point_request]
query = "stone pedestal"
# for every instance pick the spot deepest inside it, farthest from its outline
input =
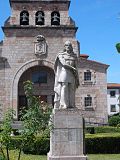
(67, 137)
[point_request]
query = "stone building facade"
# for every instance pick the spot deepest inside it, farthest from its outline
(113, 98)
(34, 34)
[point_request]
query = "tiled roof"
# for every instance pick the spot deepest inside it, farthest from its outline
(85, 57)
(113, 85)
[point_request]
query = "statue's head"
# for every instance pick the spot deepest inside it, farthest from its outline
(68, 46)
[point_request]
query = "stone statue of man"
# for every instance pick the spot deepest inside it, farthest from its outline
(66, 78)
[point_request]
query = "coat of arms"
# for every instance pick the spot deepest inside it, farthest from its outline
(40, 45)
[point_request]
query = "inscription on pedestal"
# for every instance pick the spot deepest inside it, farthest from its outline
(67, 139)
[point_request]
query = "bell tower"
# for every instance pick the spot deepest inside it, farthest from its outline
(52, 11)
(48, 18)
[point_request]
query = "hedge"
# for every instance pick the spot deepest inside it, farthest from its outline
(94, 145)
(102, 129)
(114, 120)
(40, 146)
(102, 145)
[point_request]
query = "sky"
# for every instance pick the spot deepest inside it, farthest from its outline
(98, 23)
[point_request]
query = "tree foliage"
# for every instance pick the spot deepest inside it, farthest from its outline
(118, 47)
(5, 134)
(114, 120)
(34, 119)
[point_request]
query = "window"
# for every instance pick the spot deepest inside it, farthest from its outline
(88, 101)
(39, 18)
(55, 18)
(39, 77)
(87, 76)
(113, 108)
(24, 18)
(112, 93)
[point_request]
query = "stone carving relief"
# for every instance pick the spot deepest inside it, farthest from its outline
(40, 46)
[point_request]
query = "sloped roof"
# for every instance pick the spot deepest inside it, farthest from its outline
(113, 85)
(85, 57)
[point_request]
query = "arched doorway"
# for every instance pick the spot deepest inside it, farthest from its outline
(43, 83)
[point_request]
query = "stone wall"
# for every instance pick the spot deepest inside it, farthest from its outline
(97, 89)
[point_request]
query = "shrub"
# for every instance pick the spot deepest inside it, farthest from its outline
(106, 129)
(118, 47)
(94, 145)
(16, 142)
(1, 157)
(103, 145)
(90, 130)
(40, 146)
(114, 120)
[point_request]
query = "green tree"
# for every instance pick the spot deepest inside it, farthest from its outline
(5, 135)
(118, 47)
(35, 120)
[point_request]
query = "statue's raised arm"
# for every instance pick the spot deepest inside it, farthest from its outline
(66, 78)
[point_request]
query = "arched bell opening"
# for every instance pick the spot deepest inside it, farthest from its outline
(43, 85)
(24, 18)
(55, 18)
(39, 18)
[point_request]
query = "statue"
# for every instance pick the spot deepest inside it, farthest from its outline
(66, 78)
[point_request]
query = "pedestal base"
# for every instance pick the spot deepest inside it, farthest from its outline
(67, 137)
(49, 157)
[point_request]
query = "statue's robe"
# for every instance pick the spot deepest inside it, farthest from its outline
(65, 72)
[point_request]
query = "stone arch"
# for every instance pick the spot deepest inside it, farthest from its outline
(39, 18)
(21, 70)
(24, 17)
(55, 18)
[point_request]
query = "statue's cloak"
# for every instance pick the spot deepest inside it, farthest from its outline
(57, 85)
(57, 69)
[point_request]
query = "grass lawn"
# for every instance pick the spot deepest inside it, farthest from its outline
(104, 156)
(102, 135)
(13, 156)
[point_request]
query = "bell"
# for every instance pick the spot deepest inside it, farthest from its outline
(24, 17)
(55, 20)
(39, 19)
(24, 20)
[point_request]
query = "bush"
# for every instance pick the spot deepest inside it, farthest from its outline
(90, 130)
(106, 129)
(1, 158)
(103, 145)
(40, 146)
(16, 132)
(114, 120)
(94, 145)
(118, 47)
(15, 142)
